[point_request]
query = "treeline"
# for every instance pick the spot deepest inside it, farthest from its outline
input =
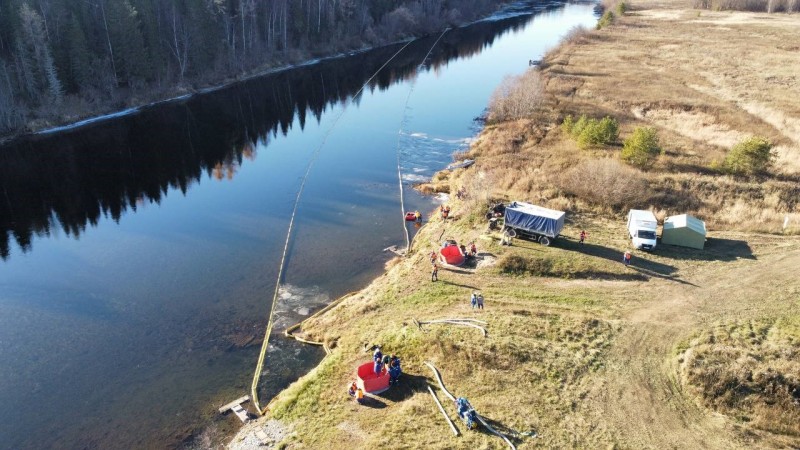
(64, 59)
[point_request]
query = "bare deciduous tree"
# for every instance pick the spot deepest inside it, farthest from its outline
(517, 97)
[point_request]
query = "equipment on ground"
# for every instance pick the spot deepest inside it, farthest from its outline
(467, 413)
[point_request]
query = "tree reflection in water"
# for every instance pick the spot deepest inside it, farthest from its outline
(75, 178)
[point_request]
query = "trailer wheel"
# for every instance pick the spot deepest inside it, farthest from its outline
(544, 240)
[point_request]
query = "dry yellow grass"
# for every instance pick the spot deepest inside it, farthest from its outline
(705, 80)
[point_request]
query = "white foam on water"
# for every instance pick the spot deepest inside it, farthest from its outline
(441, 198)
(414, 178)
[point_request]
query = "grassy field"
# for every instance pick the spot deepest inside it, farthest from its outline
(683, 349)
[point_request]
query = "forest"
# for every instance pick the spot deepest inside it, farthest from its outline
(63, 60)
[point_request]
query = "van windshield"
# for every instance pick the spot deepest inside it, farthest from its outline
(646, 234)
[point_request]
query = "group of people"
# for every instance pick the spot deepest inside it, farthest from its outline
(382, 364)
(391, 363)
(471, 252)
(476, 299)
(356, 392)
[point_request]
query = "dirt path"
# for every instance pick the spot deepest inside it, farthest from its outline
(642, 401)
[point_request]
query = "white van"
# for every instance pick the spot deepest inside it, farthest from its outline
(642, 228)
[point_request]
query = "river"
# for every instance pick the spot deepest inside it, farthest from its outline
(140, 253)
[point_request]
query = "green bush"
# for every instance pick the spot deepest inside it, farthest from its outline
(568, 124)
(606, 20)
(621, 8)
(641, 148)
(753, 155)
(519, 265)
(513, 265)
(591, 132)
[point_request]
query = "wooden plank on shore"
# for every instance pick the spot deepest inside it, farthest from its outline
(236, 402)
(241, 413)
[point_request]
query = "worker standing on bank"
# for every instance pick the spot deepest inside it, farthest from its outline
(435, 272)
(583, 236)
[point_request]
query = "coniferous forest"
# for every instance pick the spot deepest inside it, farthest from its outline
(62, 60)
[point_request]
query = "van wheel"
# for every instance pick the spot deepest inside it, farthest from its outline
(544, 240)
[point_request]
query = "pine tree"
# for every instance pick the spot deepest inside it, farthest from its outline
(35, 60)
(128, 42)
(79, 58)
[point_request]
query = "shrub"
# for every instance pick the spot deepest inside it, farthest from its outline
(751, 156)
(575, 35)
(606, 20)
(591, 132)
(641, 148)
(513, 265)
(605, 182)
(622, 7)
(517, 97)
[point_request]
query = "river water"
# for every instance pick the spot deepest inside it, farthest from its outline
(139, 254)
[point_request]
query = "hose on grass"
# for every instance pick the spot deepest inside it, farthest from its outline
(478, 416)
(461, 322)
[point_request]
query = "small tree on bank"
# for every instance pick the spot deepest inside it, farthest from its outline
(751, 156)
(641, 148)
(591, 132)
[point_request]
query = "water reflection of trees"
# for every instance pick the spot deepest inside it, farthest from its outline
(72, 179)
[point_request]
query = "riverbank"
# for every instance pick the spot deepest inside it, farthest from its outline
(581, 350)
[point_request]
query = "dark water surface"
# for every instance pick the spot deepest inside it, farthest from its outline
(139, 254)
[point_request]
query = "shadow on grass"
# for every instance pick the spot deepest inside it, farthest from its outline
(715, 250)
(372, 401)
(614, 255)
(406, 386)
(511, 434)
(459, 285)
(650, 273)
